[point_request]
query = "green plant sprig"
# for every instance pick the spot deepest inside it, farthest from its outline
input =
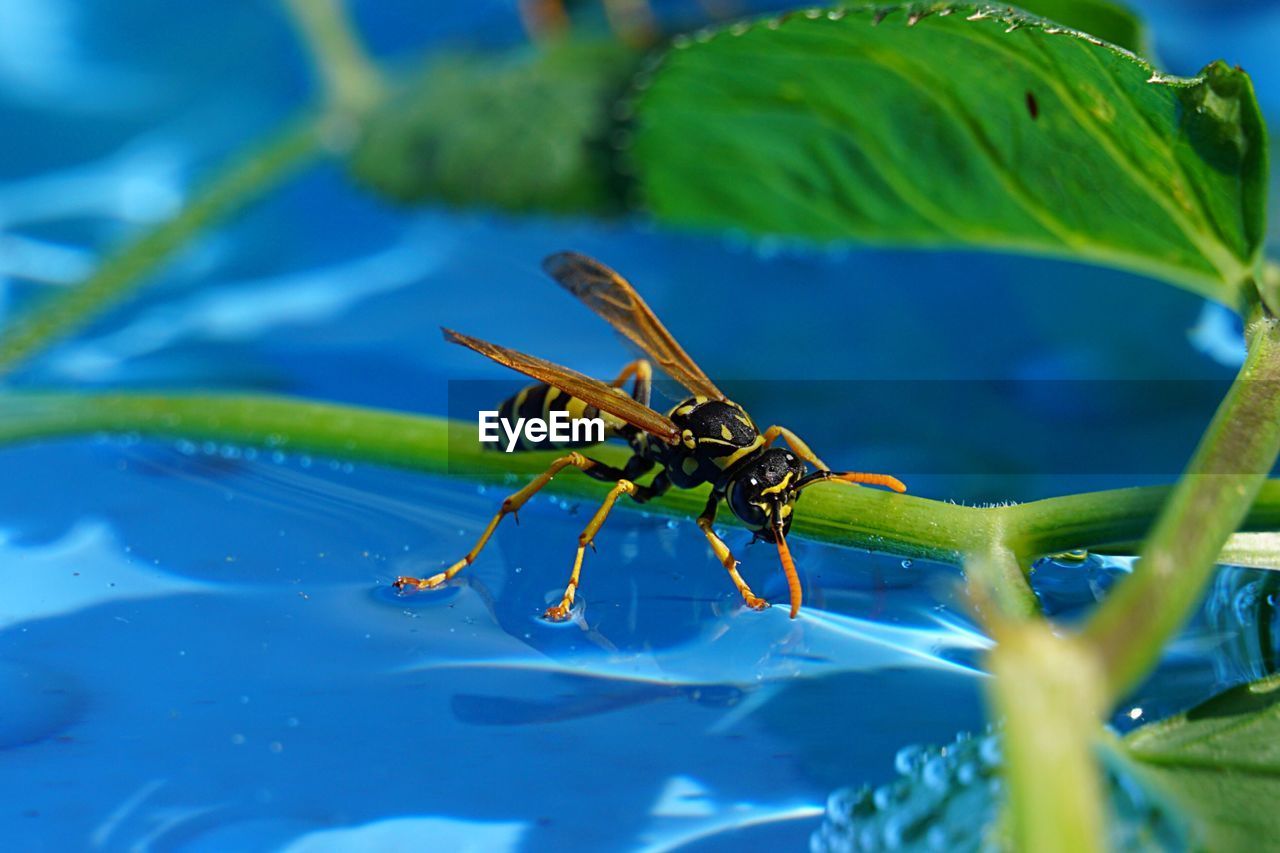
(855, 517)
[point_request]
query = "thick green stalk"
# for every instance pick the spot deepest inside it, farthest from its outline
(122, 272)
(1210, 502)
(1049, 691)
(857, 517)
(1117, 517)
(998, 586)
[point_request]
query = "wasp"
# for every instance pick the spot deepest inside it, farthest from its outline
(706, 438)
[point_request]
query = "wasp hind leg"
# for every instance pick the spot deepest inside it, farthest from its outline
(560, 612)
(510, 506)
(724, 555)
(642, 388)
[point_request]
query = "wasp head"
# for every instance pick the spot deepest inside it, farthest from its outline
(763, 492)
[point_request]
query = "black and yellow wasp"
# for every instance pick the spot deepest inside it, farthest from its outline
(704, 439)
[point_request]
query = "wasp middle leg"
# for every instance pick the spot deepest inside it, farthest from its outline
(724, 555)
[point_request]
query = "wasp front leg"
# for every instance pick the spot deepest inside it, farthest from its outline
(724, 555)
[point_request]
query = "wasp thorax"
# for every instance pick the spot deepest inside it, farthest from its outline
(763, 491)
(710, 424)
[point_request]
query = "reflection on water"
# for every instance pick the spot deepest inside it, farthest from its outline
(252, 640)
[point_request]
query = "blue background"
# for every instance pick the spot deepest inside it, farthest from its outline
(198, 649)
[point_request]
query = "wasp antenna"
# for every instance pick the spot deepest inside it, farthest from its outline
(886, 480)
(789, 568)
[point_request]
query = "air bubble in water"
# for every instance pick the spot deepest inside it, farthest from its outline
(956, 792)
(908, 759)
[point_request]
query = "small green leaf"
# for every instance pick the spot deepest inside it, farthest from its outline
(963, 126)
(1222, 759)
(1108, 21)
(523, 131)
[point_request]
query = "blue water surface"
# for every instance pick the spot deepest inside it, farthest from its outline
(199, 649)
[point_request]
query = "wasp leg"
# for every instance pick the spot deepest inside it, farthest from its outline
(642, 370)
(656, 489)
(560, 612)
(724, 555)
(797, 445)
(509, 506)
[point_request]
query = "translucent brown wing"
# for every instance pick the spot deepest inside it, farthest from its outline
(602, 396)
(614, 299)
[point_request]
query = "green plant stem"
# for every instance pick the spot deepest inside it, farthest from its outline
(1117, 517)
(857, 517)
(998, 585)
(1049, 691)
(352, 82)
(1208, 504)
(121, 272)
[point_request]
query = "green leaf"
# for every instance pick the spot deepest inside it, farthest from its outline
(527, 130)
(1222, 759)
(1108, 21)
(958, 126)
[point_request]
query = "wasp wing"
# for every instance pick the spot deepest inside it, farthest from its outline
(604, 397)
(614, 299)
